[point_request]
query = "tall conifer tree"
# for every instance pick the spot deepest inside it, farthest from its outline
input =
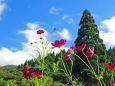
(89, 34)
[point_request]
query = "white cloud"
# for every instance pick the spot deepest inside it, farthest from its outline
(65, 17)
(32, 25)
(69, 19)
(2, 7)
(109, 35)
(8, 57)
(65, 34)
(15, 56)
(54, 11)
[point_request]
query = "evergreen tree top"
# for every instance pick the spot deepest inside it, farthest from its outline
(86, 18)
(89, 33)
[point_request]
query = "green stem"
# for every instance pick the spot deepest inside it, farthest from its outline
(103, 83)
(66, 72)
(64, 65)
(71, 71)
(71, 66)
(113, 77)
(90, 64)
(92, 69)
(82, 60)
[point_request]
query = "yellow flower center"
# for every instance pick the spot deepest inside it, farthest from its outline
(27, 72)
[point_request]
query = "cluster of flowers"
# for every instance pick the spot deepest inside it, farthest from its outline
(60, 43)
(28, 72)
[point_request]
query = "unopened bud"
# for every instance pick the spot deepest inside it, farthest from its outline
(54, 29)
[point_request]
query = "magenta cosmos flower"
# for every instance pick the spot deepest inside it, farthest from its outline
(111, 84)
(67, 56)
(27, 72)
(90, 52)
(110, 65)
(72, 47)
(37, 73)
(58, 43)
(40, 31)
(81, 47)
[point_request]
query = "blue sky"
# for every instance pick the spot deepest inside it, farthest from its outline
(18, 16)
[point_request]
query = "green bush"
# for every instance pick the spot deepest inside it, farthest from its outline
(59, 76)
(7, 83)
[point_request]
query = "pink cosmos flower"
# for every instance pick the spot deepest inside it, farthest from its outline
(55, 44)
(27, 72)
(81, 47)
(40, 31)
(111, 84)
(90, 51)
(67, 56)
(110, 66)
(37, 73)
(62, 42)
(58, 43)
(72, 47)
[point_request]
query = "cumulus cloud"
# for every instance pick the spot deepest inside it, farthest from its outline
(54, 10)
(108, 31)
(8, 57)
(32, 25)
(69, 19)
(15, 56)
(65, 17)
(65, 34)
(2, 7)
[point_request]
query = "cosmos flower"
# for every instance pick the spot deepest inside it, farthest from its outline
(37, 73)
(72, 47)
(81, 47)
(27, 72)
(58, 43)
(90, 52)
(67, 56)
(40, 31)
(110, 65)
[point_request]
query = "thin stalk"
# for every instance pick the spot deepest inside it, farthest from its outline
(64, 65)
(69, 76)
(113, 77)
(82, 60)
(103, 83)
(93, 69)
(90, 64)
(71, 66)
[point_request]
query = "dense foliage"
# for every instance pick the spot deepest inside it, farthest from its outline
(67, 68)
(111, 54)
